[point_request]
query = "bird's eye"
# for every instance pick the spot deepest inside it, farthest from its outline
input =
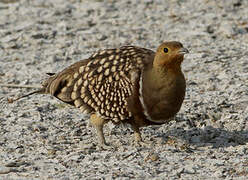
(166, 50)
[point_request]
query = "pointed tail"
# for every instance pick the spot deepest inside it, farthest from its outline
(54, 85)
(39, 91)
(43, 90)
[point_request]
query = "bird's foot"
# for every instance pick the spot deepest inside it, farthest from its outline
(138, 142)
(105, 146)
(141, 144)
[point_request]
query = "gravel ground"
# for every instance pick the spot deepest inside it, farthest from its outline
(42, 138)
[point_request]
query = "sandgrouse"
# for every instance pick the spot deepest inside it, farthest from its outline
(127, 85)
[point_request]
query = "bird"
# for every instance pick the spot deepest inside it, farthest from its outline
(130, 85)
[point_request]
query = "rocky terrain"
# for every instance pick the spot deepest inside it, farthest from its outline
(43, 138)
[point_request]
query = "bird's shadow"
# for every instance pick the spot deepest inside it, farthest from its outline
(210, 136)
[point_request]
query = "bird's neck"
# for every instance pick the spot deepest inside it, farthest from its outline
(159, 76)
(167, 66)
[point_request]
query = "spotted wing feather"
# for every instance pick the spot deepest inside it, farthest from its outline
(102, 83)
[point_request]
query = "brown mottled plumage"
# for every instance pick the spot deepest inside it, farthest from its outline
(130, 85)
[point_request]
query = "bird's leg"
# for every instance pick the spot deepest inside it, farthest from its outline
(137, 134)
(98, 123)
(136, 124)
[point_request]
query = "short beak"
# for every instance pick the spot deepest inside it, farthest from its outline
(183, 51)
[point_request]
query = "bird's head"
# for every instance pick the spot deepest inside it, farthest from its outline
(169, 55)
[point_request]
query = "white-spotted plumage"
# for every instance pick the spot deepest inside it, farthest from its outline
(103, 83)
